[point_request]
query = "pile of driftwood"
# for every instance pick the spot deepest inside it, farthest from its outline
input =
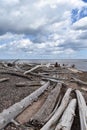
(59, 109)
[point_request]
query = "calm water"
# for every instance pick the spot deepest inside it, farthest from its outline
(81, 64)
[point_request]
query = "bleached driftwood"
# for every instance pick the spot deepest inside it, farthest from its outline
(9, 114)
(79, 81)
(82, 110)
(66, 121)
(28, 83)
(47, 107)
(55, 109)
(4, 79)
(50, 125)
(34, 68)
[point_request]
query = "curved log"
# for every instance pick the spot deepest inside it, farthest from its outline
(51, 123)
(9, 114)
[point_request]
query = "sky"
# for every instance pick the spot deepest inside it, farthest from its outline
(43, 29)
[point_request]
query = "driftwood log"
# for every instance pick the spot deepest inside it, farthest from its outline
(57, 105)
(82, 110)
(9, 114)
(51, 124)
(47, 107)
(4, 79)
(79, 81)
(28, 83)
(34, 68)
(66, 121)
(15, 74)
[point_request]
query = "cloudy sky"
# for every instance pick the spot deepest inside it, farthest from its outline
(43, 29)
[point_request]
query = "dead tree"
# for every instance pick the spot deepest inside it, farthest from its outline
(9, 114)
(51, 124)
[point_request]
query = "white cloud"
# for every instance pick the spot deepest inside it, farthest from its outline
(41, 27)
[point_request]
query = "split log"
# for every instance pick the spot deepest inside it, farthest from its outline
(9, 114)
(66, 121)
(4, 79)
(47, 107)
(51, 124)
(79, 81)
(82, 110)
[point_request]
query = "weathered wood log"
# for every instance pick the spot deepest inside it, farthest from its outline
(9, 114)
(31, 83)
(15, 74)
(48, 118)
(47, 107)
(34, 68)
(66, 121)
(82, 110)
(51, 124)
(4, 79)
(45, 76)
(79, 81)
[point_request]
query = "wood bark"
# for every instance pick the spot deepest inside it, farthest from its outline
(82, 110)
(50, 125)
(47, 107)
(9, 114)
(66, 121)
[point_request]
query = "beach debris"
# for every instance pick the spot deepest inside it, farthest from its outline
(73, 79)
(82, 110)
(67, 118)
(51, 124)
(28, 83)
(9, 114)
(47, 107)
(15, 74)
(4, 79)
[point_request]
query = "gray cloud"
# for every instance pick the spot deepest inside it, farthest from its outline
(41, 27)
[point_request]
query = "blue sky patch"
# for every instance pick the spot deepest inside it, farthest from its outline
(77, 14)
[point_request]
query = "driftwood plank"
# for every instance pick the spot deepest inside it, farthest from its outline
(9, 114)
(66, 121)
(51, 124)
(47, 107)
(82, 110)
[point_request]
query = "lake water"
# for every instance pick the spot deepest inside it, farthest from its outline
(80, 64)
